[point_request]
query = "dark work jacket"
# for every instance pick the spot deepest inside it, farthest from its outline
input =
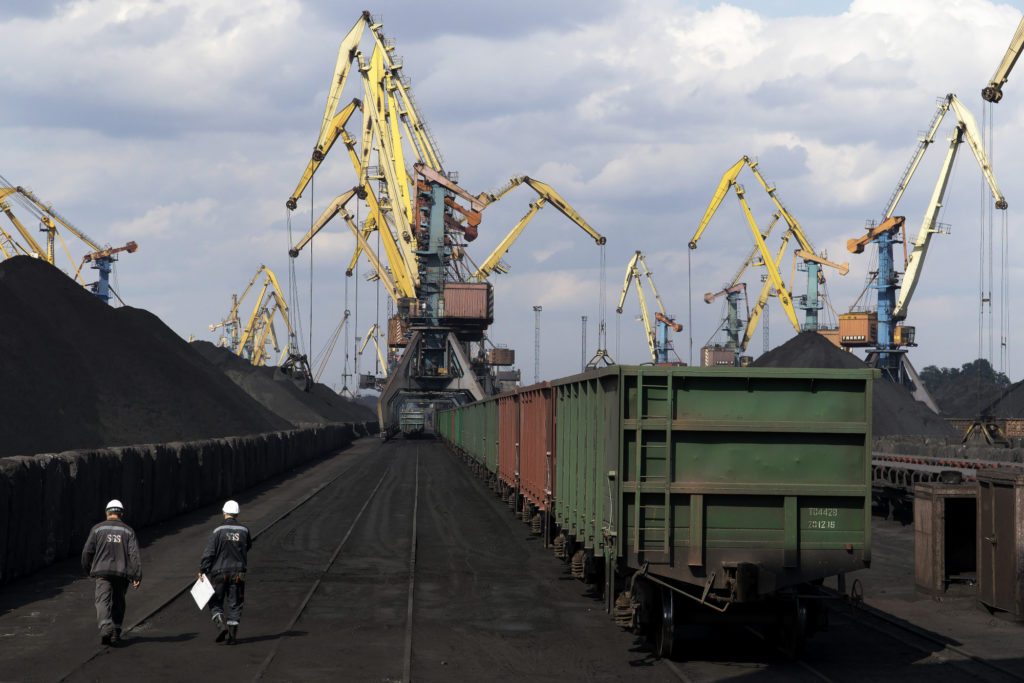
(112, 551)
(226, 550)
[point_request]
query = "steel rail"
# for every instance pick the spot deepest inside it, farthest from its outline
(316, 584)
(407, 660)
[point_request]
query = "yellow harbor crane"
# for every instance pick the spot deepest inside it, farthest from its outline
(656, 327)
(100, 258)
(372, 334)
(812, 261)
(423, 219)
(249, 341)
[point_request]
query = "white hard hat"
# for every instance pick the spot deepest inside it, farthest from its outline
(230, 508)
(114, 505)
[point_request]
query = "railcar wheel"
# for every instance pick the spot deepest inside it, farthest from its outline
(666, 636)
(794, 632)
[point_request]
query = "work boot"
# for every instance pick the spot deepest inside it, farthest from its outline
(232, 634)
(106, 633)
(218, 623)
(115, 637)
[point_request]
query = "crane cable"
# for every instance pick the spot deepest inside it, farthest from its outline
(312, 220)
(293, 292)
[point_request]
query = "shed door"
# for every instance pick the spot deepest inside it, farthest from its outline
(996, 546)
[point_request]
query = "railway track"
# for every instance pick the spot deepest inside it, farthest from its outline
(268, 660)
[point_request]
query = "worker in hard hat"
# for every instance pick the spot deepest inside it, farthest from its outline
(224, 562)
(111, 556)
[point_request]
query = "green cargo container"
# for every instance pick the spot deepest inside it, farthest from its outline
(741, 481)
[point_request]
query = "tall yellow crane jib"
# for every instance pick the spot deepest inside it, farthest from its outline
(330, 212)
(411, 118)
(336, 130)
(773, 273)
(346, 55)
(928, 227)
(493, 261)
(379, 77)
(546, 195)
(382, 273)
(49, 211)
(556, 200)
(393, 177)
(728, 180)
(762, 298)
(967, 129)
(993, 92)
(972, 134)
(25, 234)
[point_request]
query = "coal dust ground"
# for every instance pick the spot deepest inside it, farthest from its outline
(80, 374)
(894, 410)
(489, 603)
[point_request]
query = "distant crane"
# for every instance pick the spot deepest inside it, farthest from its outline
(102, 261)
(733, 324)
(373, 333)
(892, 307)
(249, 341)
(811, 261)
(656, 327)
(101, 258)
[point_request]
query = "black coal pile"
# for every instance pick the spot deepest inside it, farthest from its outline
(894, 410)
(971, 394)
(77, 373)
(1009, 404)
(279, 392)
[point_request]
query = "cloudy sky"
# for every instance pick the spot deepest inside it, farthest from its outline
(185, 124)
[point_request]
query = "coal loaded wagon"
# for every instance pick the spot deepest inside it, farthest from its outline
(691, 494)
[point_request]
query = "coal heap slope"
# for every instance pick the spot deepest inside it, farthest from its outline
(278, 392)
(967, 397)
(77, 373)
(1010, 404)
(894, 410)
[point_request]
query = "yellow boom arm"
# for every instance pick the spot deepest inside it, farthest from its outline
(993, 92)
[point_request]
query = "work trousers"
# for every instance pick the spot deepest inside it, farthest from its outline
(228, 596)
(110, 603)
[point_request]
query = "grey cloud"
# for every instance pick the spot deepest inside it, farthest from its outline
(34, 9)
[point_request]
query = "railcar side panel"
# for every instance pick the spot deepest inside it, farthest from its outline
(536, 431)
(508, 439)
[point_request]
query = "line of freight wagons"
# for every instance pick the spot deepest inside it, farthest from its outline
(690, 493)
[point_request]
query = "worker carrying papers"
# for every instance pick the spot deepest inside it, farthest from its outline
(202, 590)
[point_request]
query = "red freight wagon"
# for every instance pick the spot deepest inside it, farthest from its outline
(537, 445)
(508, 439)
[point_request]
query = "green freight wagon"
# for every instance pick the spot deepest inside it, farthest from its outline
(697, 493)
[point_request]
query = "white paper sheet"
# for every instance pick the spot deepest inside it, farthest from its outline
(202, 591)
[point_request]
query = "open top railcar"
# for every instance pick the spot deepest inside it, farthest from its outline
(691, 493)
